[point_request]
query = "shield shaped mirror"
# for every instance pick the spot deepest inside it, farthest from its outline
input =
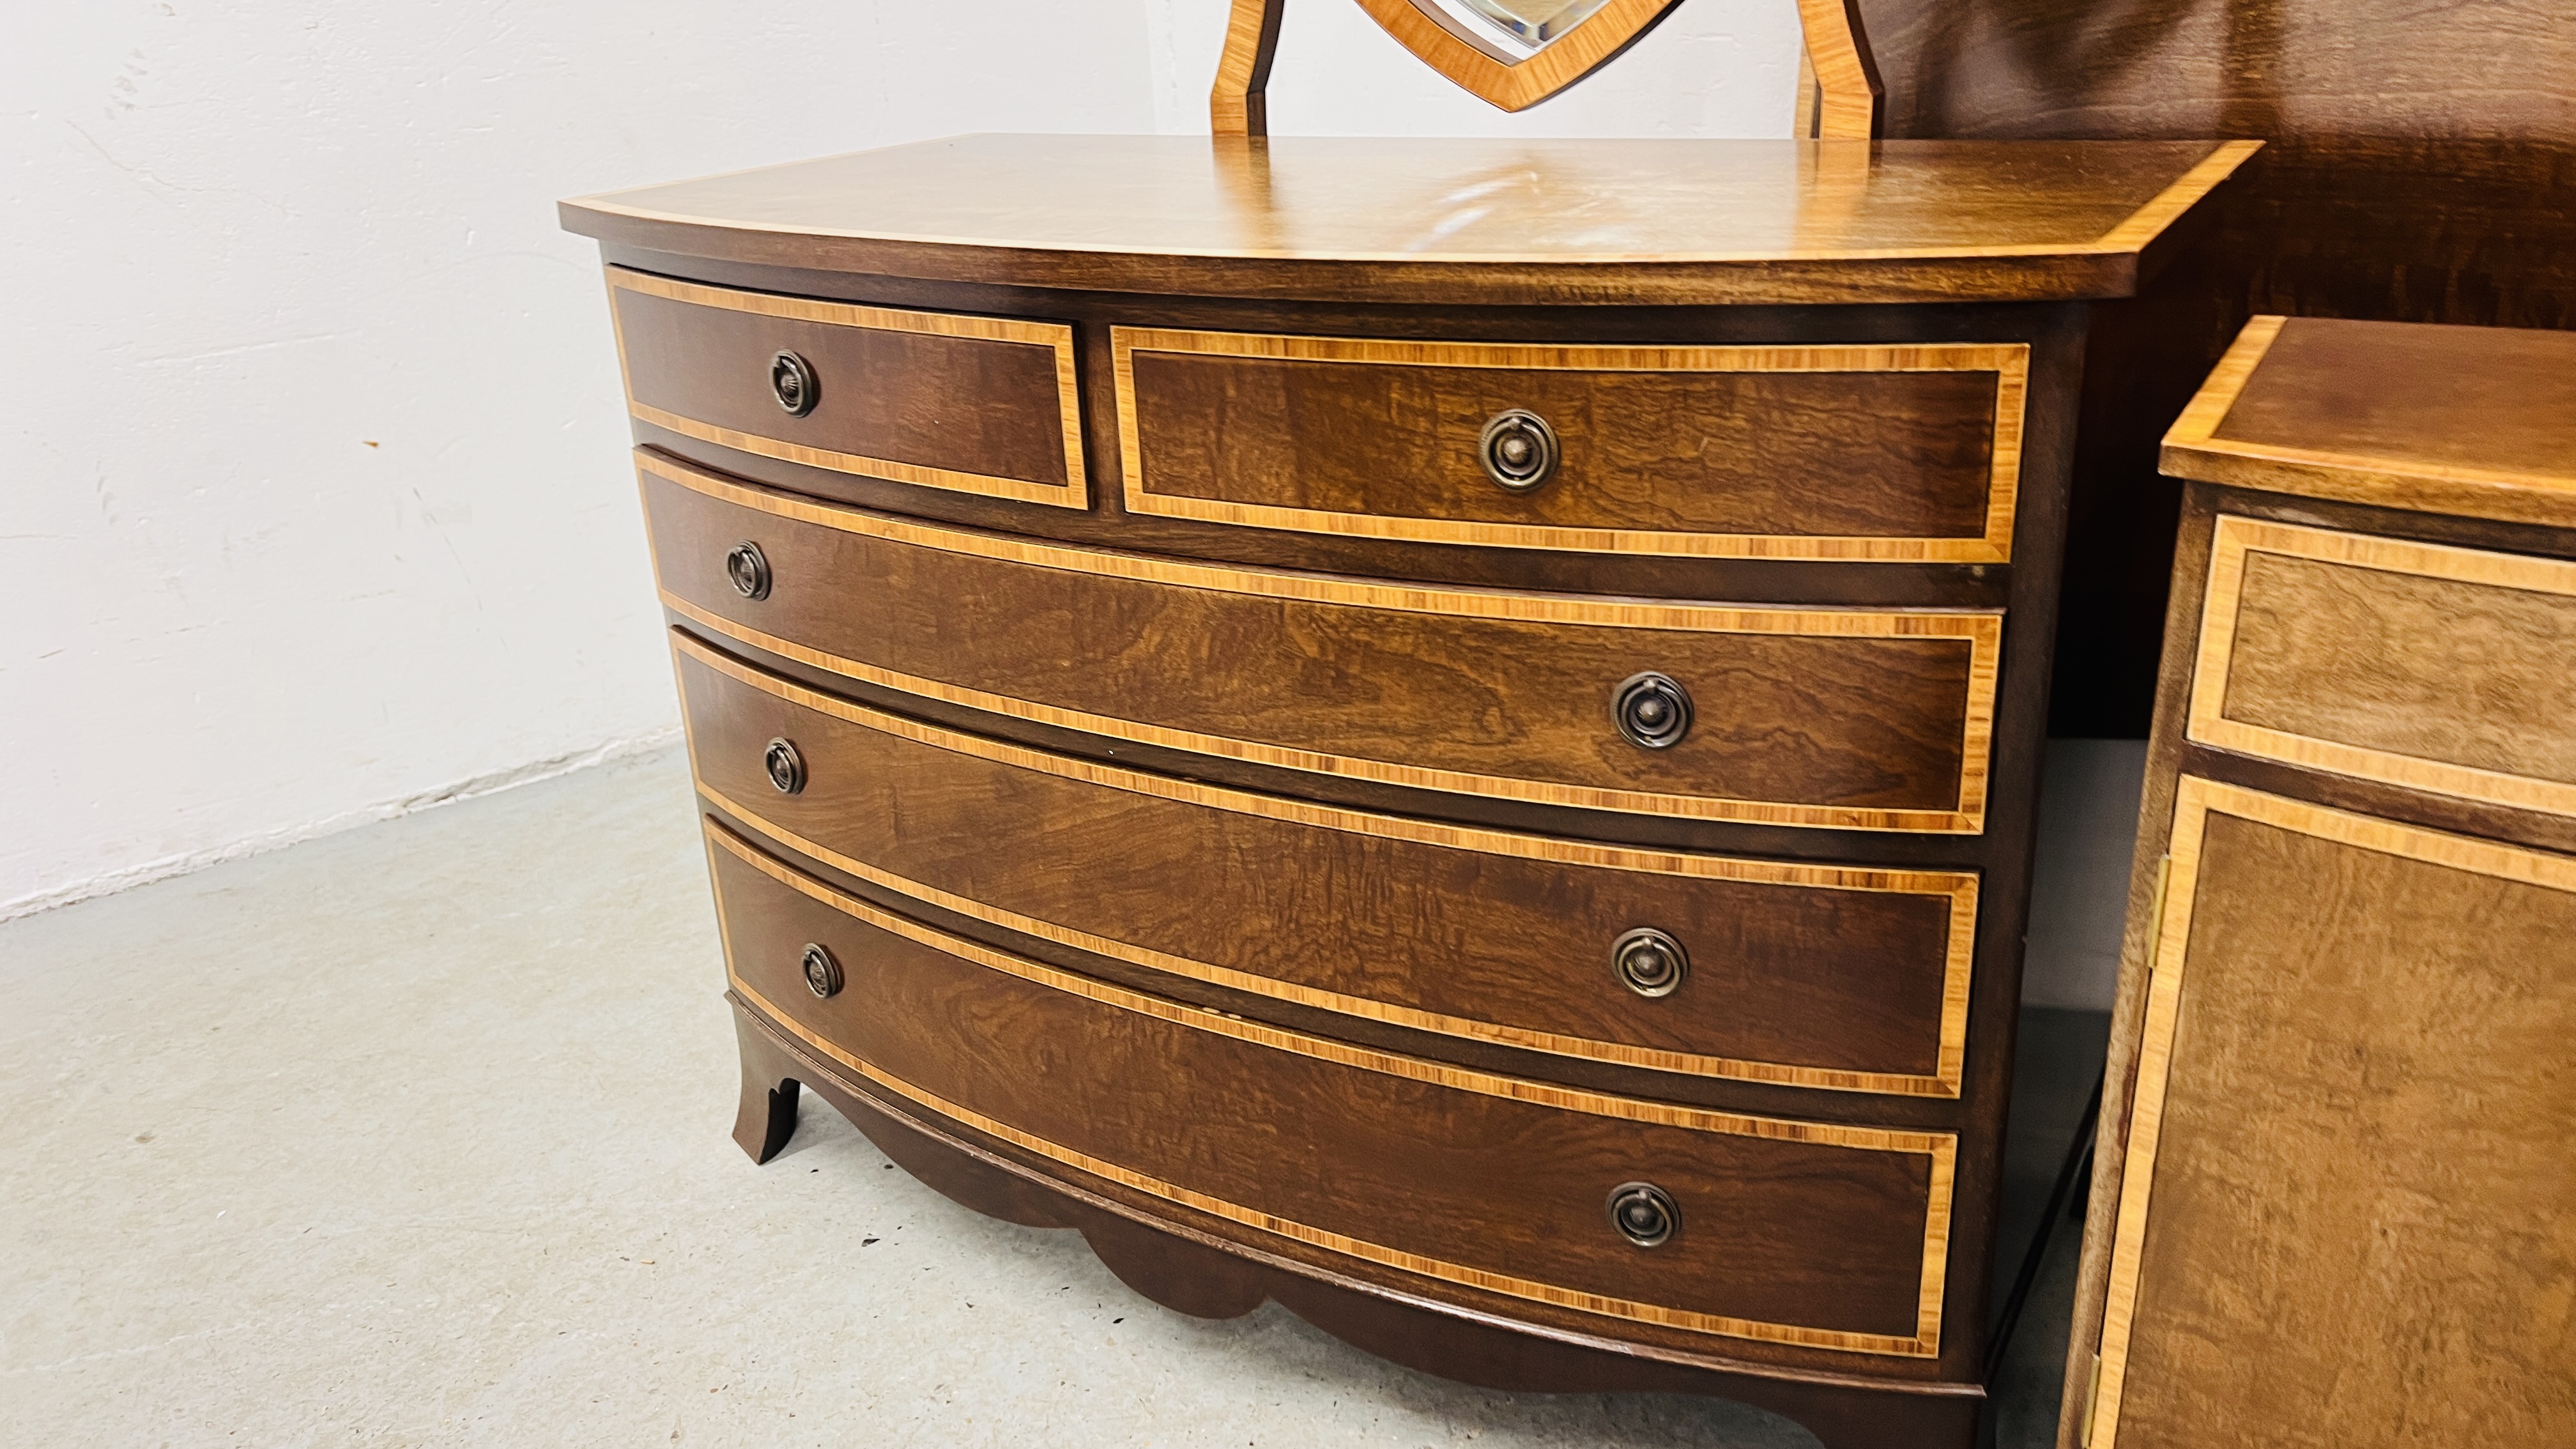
(1517, 53)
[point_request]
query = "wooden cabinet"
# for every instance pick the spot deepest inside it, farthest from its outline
(1508, 828)
(2337, 1203)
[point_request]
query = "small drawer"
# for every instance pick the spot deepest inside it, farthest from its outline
(1807, 1233)
(1814, 976)
(1885, 453)
(1872, 719)
(2446, 670)
(973, 404)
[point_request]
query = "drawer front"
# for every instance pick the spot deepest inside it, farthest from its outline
(1838, 452)
(1852, 718)
(973, 404)
(1805, 975)
(2449, 670)
(1794, 1232)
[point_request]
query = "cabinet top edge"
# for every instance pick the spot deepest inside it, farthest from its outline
(2476, 422)
(1570, 222)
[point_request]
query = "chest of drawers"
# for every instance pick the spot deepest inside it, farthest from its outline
(1444, 733)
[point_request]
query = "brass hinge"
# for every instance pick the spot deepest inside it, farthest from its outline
(2092, 1393)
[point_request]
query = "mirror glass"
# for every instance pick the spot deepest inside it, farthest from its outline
(1509, 29)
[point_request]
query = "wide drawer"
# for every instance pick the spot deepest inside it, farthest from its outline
(974, 404)
(1813, 976)
(1895, 453)
(1794, 1232)
(1856, 718)
(2449, 670)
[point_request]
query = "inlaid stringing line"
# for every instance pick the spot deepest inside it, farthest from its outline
(2009, 362)
(1074, 492)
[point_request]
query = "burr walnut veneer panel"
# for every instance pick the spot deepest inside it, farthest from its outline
(2349, 1142)
(1827, 1236)
(1811, 975)
(1852, 718)
(1884, 453)
(2450, 670)
(975, 404)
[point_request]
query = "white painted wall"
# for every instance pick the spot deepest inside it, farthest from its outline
(313, 500)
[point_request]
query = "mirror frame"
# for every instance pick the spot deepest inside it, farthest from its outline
(1838, 88)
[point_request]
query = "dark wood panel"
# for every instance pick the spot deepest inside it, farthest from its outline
(919, 397)
(1814, 976)
(2420, 166)
(2347, 1216)
(1789, 1232)
(2052, 332)
(1189, 1270)
(1768, 443)
(1573, 221)
(1856, 719)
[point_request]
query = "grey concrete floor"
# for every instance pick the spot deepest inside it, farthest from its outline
(417, 1135)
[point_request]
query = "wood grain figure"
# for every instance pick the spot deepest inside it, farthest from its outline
(1814, 976)
(2455, 420)
(2316, 1163)
(2441, 669)
(977, 404)
(2419, 167)
(1850, 719)
(1710, 452)
(1362, 1153)
(1561, 222)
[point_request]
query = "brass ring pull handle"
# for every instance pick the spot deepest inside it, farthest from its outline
(1644, 1214)
(785, 766)
(1649, 962)
(748, 567)
(1653, 710)
(1519, 450)
(822, 973)
(792, 383)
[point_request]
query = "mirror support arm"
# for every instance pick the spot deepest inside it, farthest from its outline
(1236, 104)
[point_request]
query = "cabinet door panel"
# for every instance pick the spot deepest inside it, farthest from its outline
(2347, 1210)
